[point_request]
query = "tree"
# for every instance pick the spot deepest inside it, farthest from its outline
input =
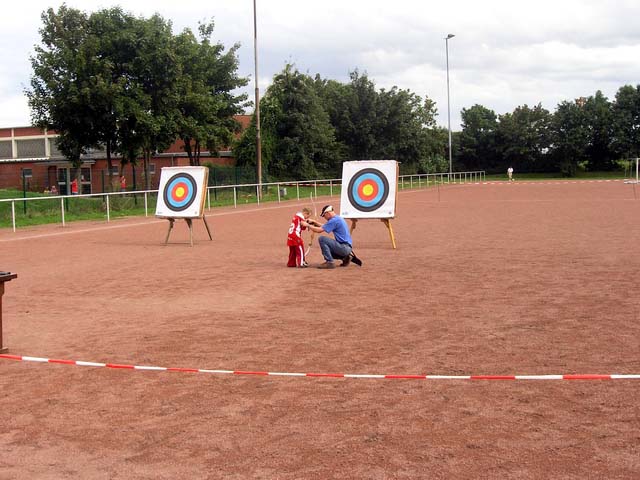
(393, 124)
(205, 102)
(146, 109)
(62, 82)
(598, 117)
(353, 110)
(478, 139)
(626, 121)
(126, 83)
(297, 137)
(523, 139)
(570, 137)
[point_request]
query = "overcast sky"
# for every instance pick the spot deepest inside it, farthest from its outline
(504, 53)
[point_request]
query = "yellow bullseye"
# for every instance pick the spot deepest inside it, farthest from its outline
(367, 190)
(180, 192)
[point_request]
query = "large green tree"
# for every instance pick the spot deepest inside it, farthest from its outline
(63, 79)
(570, 136)
(353, 111)
(206, 101)
(298, 140)
(393, 124)
(599, 119)
(626, 121)
(127, 84)
(524, 138)
(478, 149)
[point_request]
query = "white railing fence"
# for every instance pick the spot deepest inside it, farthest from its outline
(225, 195)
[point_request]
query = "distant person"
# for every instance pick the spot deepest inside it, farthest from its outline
(339, 247)
(295, 241)
(510, 173)
(123, 183)
(54, 190)
(74, 186)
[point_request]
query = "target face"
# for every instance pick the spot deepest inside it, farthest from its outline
(369, 189)
(181, 192)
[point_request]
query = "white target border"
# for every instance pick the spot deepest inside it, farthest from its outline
(196, 209)
(388, 168)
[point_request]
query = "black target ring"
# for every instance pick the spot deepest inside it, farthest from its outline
(368, 190)
(180, 192)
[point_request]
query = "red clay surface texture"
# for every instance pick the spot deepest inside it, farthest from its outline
(487, 279)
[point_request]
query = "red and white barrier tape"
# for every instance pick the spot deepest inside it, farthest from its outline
(333, 375)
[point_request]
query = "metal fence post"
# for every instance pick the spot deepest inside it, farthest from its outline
(62, 208)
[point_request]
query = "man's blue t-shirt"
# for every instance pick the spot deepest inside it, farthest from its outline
(338, 226)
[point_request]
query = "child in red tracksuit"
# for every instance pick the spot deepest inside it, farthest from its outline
(295, 241)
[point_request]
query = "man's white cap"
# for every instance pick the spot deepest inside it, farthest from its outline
(325, 209)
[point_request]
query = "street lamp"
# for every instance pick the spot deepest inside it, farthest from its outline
(258, 141)
(446, 42)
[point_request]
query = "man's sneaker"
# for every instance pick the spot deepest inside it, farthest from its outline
(346, 261)
(326, 265)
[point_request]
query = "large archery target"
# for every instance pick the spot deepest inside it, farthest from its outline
(369, 189)
(181, 192)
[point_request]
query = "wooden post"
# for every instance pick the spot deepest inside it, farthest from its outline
(4, 277)
(166, 240)
(387, 222)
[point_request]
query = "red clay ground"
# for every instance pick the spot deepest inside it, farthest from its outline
(489, 279)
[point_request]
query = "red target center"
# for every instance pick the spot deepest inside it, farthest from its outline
(179, 192)
(367, 190)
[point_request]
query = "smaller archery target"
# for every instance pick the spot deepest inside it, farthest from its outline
(181, 192)
(369, 189)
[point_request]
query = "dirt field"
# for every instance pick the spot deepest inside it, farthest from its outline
(495, 279)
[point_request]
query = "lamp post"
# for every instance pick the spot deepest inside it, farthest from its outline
(446, 42)
(258, 141)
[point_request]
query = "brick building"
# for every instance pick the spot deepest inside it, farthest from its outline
(29, 158)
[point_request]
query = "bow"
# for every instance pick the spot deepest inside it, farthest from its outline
(313, 234)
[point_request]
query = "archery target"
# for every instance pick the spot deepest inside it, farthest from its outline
(369, 189)
(181, 192)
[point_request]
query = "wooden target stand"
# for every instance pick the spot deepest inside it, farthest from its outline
(4, 277)
(190, 224)
(387, 223)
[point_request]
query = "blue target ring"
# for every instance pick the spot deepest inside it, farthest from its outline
(368, 190)
(180, 192)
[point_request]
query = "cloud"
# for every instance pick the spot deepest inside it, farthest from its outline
(504, 54)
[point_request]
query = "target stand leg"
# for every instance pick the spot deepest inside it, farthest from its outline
(190, 223)
(204, 219)
(387, 222)
(166, 240)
